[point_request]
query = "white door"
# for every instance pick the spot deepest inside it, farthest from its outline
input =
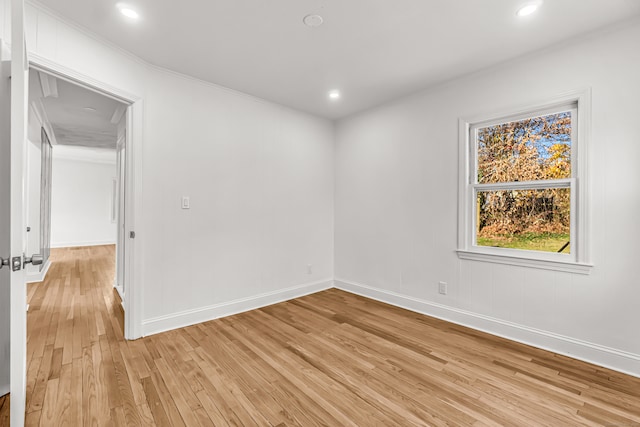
(17, 234)
(5, 214)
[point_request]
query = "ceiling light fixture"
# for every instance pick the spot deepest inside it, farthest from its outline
(127, 11)
(334, 94)
(528, 8)
(313, 21)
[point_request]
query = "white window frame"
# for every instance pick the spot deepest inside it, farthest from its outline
(579, 103)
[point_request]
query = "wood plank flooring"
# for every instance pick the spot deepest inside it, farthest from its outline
(331, 359)
(4, 410)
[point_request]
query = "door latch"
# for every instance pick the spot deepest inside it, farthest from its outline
(17, 262)
(35, 259)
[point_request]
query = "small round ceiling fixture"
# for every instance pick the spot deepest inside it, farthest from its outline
(334, 94)
(128, 11)
(313, 21)
(529, 8)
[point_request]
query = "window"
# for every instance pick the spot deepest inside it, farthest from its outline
(523, 187)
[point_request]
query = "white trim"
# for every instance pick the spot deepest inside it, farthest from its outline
(41, 114)
(525, 185)
(49, 85)
(181, 319)
(618, 360)
(579, 184)
(118, 114)
(42, 63)
(526, 113)
(57, 245)
(39, 276)
(118, 289)
(113, 201)
(567, 267)
(133, 278)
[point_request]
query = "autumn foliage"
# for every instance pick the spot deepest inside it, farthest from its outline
(532, 149)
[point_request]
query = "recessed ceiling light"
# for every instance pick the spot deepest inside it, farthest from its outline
(334, 94)
(313, 20)
(528, 8)
(128, 11)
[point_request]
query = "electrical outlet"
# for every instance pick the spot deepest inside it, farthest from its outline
(442, 288)
(309, 269)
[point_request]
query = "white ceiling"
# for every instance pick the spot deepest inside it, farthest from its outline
(372, 50)
(79, 116)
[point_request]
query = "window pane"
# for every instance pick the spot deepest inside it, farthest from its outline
(536, 220)
(532, 149)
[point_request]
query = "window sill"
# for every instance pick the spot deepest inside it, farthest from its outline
(567, 267)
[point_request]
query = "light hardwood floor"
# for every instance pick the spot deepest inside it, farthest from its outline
(331, 358)
(4, 410)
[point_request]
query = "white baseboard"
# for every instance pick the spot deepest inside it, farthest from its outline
(120, 294)
(204, 314)
(39, 276)
(82, 244)
(618, 360)
(118, 289)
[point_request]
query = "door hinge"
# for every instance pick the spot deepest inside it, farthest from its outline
(132, 234)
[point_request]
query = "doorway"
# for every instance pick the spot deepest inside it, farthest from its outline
(76, 186)
(15, 112)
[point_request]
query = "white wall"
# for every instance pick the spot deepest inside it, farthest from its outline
(5, 20)
(396, 205)
(260, 178)
(81, 200)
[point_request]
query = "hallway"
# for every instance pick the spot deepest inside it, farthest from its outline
(74, 334)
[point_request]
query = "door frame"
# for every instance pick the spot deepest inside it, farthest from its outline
(133, 192)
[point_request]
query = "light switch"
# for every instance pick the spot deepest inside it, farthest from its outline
(185, 202)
